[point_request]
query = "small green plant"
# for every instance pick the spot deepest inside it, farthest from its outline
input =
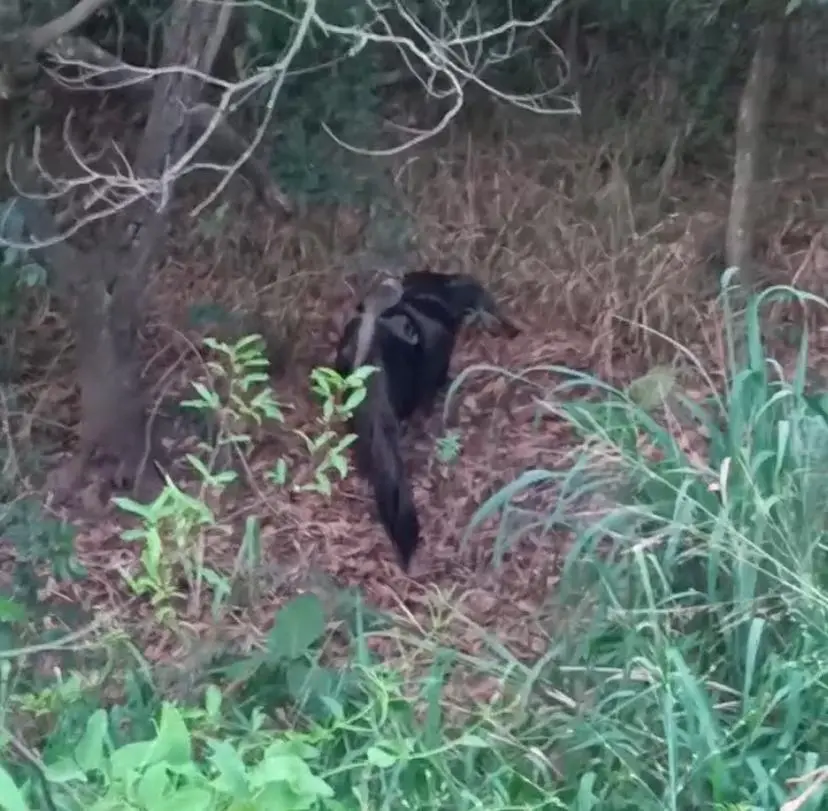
(355, 736)
(339, 397)
(38, 539)
(18, 272)
(165, 772)
(237, 398)
(173, 530)
(176, 528)
(52, 698)
(449, 447)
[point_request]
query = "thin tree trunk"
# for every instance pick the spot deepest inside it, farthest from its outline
(113, 410)
(107, 287)
(739, 245)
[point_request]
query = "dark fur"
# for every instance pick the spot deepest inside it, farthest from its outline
(377, 426)
(412, 342)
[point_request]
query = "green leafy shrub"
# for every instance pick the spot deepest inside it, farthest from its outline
(176, 527)
(371, 746)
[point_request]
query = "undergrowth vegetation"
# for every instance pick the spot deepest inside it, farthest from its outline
(687, 667)
(686, 656)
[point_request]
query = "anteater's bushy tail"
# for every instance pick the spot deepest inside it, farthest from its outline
(380, 461)
(376, 426)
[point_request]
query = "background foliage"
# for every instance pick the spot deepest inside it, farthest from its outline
(685, 666)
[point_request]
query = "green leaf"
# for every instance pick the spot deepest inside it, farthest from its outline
(212, 701)
(279, 473)
(334, 707)
(354, 399)
(11, 799)
(306, 439)
(344, 443)
(325, 377)
(340, 464)
(323, 484)
(279, 795)
(133, 534)
(64, 770)
(206, 395)
(293, 770)
(12, 611)
(323, 439)
(131, 757)
(322, 387)
(173, 735)
(233, 778)
(380, 757)
(130, 506)
(32, 275)
(256, 377)
(190, 798)
(474, 741)
(195, 404)
(152, 785)
(273, 411)
(248, 340)
(199, 467)
(89, 753)
(297, 678)
(298, 624)
(360, 375)
(651, 390)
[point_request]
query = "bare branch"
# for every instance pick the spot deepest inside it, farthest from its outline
(102, 70)
(444, 62)
(281, 69)
(41, 37)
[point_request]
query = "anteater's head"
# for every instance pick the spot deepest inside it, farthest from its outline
(461, 294)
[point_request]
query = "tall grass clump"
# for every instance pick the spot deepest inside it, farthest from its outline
(692, 670)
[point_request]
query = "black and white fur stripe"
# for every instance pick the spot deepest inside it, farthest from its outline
(411, 340)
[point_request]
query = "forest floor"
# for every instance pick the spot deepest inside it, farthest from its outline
(592, 277)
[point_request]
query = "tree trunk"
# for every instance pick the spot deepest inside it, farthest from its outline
(739, 244)
(113, 414)
(106, 287)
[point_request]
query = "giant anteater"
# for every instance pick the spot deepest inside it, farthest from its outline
(408, 332)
